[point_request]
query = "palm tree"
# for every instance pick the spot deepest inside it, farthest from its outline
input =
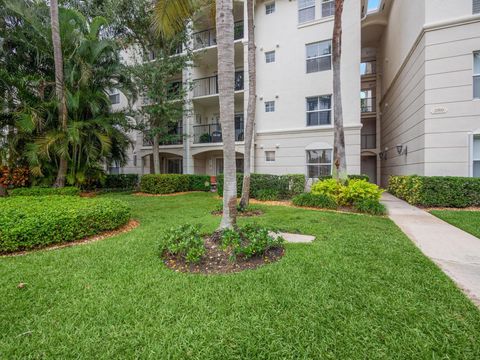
(340, 168)
(249, 126)
(59, 88)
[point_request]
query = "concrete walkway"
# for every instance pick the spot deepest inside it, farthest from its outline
(456, 252)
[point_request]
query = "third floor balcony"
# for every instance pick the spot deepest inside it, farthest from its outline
(209, 85)
(206, 38)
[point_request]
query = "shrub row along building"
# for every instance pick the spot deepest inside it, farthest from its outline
(410, 83)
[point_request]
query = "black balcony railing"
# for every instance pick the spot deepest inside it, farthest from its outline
(206, 38)
(368, 68)
(212, 133)
(368, 105)
(209, 85)
(369, 141)
(174, 137)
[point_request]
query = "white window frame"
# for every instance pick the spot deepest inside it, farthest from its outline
(270, 106)
(272, 59)
(317, 57)
(305, 8)
(270, 8)
(307, 175)
(324, 2)
(269, 152)
(116, 96)
(476, 76)
(473, 160)
(320, 110)
(476, 6)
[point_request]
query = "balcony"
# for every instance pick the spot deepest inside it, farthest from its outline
(369, 141)
(368, 68)
(209, 85)
(212, 133)
(207, 38)
(174, 137)
(368, 105)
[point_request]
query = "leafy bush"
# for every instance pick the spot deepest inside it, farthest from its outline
(315, 201)
(185, 241)
(45, 191)
(250, 241)
(436, 191)
(267, 195)
(121, 181)
(369, 206)
(16, 177)
(329, 187)
(31, 222)
(359, 190)
(287, 186)
(173, 183)
(350, 177)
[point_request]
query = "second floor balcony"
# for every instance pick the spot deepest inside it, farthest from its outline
(209, 85)
(212, 133)
(206, 38)
(368, 105)
(173, 137)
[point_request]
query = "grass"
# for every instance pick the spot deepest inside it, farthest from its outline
(361, 290)
(468, 221)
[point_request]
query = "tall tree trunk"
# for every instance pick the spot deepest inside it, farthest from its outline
(59, 86)
(226, 80)
(340, 164)
(156, 155)
(250, 124)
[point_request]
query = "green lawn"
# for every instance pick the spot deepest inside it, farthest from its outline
(468, 221)
(361, 290)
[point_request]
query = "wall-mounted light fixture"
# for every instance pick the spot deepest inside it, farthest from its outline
(402, 149)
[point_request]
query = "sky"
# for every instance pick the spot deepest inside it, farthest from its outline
(373, 4)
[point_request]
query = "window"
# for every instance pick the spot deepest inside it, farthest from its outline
(270, 8)
(319, 163)
(269, 156)
(269, 106)
(476, 75)
(306, 11)
(270, 57)
(174, 166)
(319, 110)
(476, 6)
(319, 56)
(328, 8)
(476, 155)
(114, 98)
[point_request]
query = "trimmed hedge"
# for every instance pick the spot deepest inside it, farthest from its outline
(436, 191)
(314, 201)
(173, 183)
(121, 181)
(286, 186)
(45, 191)
(27, 223)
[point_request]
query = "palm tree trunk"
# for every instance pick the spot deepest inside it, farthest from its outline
(250, 124)
(156, 155)
(340, 164)
(226, 79)
(59, 86)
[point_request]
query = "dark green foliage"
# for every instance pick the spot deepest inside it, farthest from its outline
(370, 206)
(267, 195)
(249, 241)
(285, 185)
(436, 191)
(185, 242)
(121, 181)
(173, 183)
(43, 191)
(315, 201)
(31, 222)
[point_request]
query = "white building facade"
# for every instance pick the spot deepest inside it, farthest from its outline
(410, 88)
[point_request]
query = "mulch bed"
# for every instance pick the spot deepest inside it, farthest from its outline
(132, 224)
(249, 213)
(217, 261)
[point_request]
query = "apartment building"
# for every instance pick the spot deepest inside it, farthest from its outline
(410, 87)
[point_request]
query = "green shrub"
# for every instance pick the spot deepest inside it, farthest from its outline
(370, 206)
(359, 190)
(436, 191)
(314, 201)
(267, 195)
(350, 177)
(287, 186)
(199, 182)
(44, 191)
(31, 222)
(173, 183)
(250, 241)
(185, 242)
(121, 181)
(329, 187)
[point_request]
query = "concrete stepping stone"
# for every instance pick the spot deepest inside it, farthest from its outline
(296, 238)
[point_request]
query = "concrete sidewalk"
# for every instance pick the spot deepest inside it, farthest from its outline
(456, 252)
